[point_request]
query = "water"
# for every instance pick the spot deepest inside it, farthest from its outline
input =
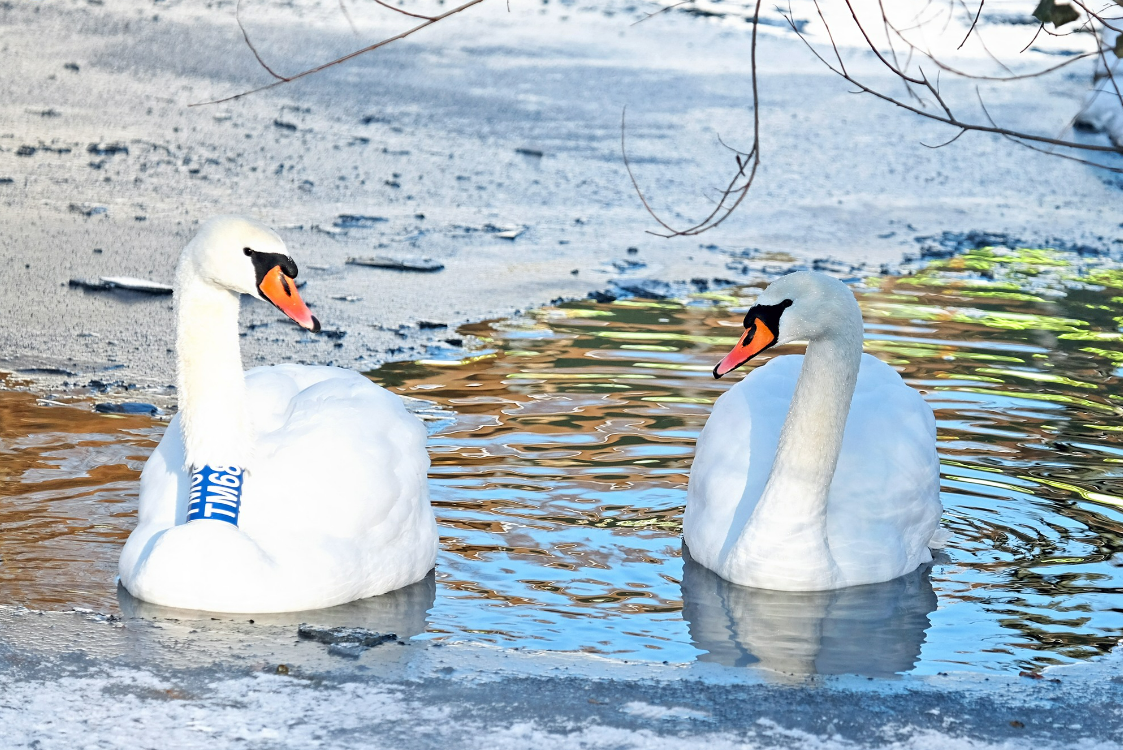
(68, 499)
(561, 448)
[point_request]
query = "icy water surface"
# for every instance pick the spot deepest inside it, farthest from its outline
(68, 498)
(561, 448)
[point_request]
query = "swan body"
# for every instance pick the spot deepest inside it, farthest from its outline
(334, 503)
(816, 471)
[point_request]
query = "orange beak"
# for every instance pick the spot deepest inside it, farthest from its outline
(753, 342)
(281, 291)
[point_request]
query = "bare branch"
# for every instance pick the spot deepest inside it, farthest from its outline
(338, 61)
(734, 194)
(964, 74)
(1097, 16)
(1034, 39)
(253, 49)
(973, 25)
(948, 117)
(402, 11)
(347, 15)
(1111, 75)
(664, 9)
(945, 143)
(830, 35)
(628, 166)
(1032, 147)
(1014, 77)
(737, 151)
(747, 164)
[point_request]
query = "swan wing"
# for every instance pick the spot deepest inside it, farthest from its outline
(164, 485)
(884, 504)
(335, 506)
(343, 479)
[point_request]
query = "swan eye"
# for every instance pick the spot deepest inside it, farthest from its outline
(248, 251)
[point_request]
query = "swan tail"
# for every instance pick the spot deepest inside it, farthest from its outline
(940, 538)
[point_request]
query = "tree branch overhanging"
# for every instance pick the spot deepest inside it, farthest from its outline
(730, 197)
(925, 97)
(282, 80)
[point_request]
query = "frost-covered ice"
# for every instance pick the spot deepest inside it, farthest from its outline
(105, 170)
(73, 680)
(130, 708)
(134, 708)
(666, 713)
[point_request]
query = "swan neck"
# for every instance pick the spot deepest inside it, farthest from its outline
(785, 544)
(210, 381)
(811, 439)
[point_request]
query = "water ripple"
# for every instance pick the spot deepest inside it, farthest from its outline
(561, 446)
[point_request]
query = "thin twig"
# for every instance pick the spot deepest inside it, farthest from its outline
(1036, 34)
(830, 35)
(733, 194)
(1095, 15)
(253, 49)
(347, 15)
(664, 9)
(1032, 147)
(945, 143)
(1016, 77)
(973, 24)
(339, 60)
(963, 74)
(403, 12)
(628, 166)
(1111, 77)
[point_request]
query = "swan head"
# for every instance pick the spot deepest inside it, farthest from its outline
(802, 306)
(244, 256)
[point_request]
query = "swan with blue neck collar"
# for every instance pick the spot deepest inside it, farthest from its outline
(332, 503)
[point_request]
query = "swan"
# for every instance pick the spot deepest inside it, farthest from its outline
(283, 488)
(817, 471)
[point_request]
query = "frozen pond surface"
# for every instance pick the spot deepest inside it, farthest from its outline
(561, 445)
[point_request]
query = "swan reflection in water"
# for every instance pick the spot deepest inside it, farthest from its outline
(404, 612)
(874, 631)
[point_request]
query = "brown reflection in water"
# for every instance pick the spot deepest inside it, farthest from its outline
(563, 433)
(68, 492)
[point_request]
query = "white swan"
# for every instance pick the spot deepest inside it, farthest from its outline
(816, 471)
(332, 469)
